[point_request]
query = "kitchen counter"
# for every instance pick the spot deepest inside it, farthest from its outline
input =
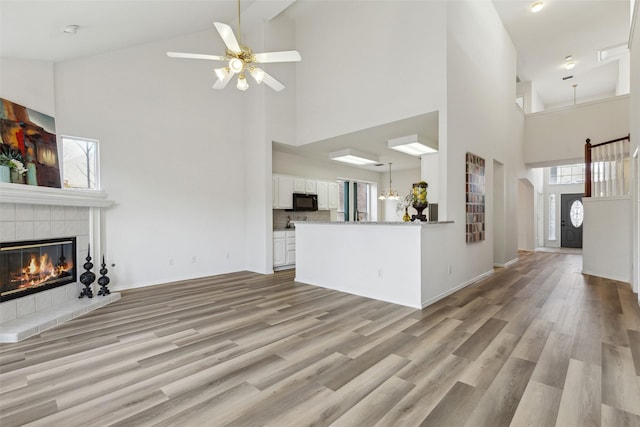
(404, 263)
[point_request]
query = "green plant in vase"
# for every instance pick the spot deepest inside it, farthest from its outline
(13, 160)
(420, 203)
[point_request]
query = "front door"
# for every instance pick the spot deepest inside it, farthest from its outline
(571, 216)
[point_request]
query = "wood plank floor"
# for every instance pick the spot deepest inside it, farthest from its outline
(537, 344)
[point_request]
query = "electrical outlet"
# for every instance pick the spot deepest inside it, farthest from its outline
(380, 273)
(194, 259)
(170, 261)
(450, 269)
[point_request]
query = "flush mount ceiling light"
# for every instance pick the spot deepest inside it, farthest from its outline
(410, 145)
(241, 59)
(71, 29)
(570, 62)
(390, 194)
(537, 6)
(354, 157)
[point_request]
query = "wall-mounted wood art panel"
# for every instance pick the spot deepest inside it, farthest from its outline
(475, 198)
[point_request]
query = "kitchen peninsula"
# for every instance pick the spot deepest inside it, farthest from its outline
(401, 263)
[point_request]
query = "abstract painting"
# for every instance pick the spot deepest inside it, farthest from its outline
(30, 137)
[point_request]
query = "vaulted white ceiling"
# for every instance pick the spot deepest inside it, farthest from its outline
(566, 27)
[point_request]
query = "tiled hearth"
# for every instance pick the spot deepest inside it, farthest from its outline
(44, 214)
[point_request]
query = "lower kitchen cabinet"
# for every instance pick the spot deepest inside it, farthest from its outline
(284, 249)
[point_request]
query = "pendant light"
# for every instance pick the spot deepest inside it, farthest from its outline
(390, 194)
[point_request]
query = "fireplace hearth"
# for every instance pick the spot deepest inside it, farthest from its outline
(28, 267)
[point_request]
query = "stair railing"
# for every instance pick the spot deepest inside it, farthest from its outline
(607, 167)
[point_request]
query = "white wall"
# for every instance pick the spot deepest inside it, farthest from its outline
(481, 118)
(526, 216)
(607, 238)
(172, 158)
(28, 83)
(560, 135)
(634, 113)
(350, 78)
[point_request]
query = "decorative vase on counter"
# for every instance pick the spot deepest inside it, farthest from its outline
(420, 202)
(16, 177)
(406, 217)
(5, 173)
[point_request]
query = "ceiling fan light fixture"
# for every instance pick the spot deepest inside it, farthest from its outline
(257, 74)
(569, 65)
(236, 65)
(537, 6)
(242, 83)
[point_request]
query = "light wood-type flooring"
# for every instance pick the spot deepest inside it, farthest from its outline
(536, 344)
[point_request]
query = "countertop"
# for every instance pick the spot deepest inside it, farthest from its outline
(404, 224)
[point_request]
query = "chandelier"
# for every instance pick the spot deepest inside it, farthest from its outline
(390, 194)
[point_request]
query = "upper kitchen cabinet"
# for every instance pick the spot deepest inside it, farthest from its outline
(283, 187)
(333, 195)
(323, 195)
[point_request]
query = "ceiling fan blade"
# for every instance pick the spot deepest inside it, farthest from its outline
(222, 83)
(195, 56)
(228, 38)
(272, 83)
(284, 56)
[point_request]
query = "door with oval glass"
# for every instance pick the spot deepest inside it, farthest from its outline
(571, 217)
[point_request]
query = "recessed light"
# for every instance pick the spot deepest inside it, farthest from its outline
(71, 29)
(537, 7)
(569, 65)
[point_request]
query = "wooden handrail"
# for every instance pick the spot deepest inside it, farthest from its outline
(587, 160)
(624, 138)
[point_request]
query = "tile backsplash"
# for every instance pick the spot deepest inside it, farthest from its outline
(280, 217)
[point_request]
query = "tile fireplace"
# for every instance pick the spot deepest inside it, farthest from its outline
(28, 267)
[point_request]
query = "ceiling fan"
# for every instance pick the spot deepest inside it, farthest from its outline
(241, 60)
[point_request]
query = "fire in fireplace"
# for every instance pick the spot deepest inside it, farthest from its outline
(33, 266)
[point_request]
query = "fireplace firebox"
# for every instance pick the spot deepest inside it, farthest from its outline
(33, 266)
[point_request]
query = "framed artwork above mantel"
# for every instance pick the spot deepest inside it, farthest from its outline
(29, 137)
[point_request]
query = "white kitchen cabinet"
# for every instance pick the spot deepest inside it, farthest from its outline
(333, 195)
(311, 187)
(284, 248)
(323, 195)
(285, 192)
(291, 247)
(279, 248)
(299, 185)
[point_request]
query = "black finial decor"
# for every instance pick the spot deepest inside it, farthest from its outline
(103, 281)
(87, 278)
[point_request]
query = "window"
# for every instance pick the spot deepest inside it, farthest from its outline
(552, 216)
(569, 174)
(355, 201)
(576, 213)
(80, 163)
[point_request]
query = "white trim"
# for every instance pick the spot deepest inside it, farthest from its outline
(507, 264)
(606, 276)
(634, 20)
(457, 288)
(31, 194)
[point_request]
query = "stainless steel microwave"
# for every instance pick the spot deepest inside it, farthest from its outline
(305, 202)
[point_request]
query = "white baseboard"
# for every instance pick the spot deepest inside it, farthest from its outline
(457, 288)
(506, 264)
(606, 276)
